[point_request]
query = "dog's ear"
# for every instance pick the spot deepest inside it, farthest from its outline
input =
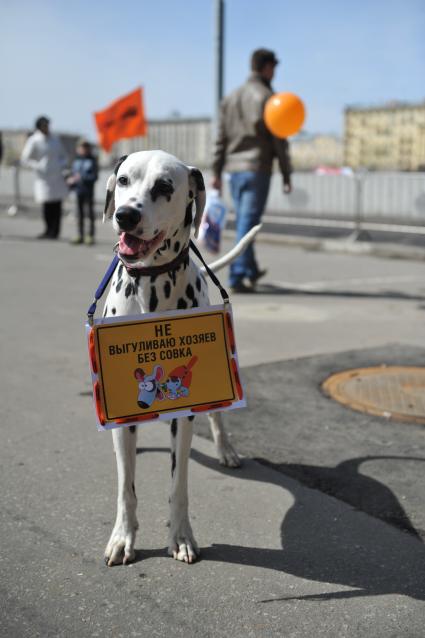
(197, 186)
(158, 372)
(109, 209)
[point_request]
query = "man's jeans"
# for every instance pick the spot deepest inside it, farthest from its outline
(249, 192)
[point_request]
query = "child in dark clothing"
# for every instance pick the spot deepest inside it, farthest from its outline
(82, 180)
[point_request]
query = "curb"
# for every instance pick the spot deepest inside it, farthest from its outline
(342, 246)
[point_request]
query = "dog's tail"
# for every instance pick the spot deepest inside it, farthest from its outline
(232, 254)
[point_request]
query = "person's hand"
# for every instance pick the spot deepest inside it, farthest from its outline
(287, 187)
(216, 184)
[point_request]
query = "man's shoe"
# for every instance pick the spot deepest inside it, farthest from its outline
(241, 288)
(89, 241)
(44, 236)
(259, 275)
(76, 241)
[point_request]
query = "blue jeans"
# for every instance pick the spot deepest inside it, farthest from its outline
(249, 192)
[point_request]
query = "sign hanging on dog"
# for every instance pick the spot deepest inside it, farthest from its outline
(167, 365)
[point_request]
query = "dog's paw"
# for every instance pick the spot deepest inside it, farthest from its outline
(186, 552)
(120, 548)
(227, 455)
(183, 546)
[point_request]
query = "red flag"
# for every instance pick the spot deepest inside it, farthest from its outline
(123, 118)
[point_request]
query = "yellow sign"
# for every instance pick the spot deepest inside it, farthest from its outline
(162, 366)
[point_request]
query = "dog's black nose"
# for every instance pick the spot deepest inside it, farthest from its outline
(127, 217)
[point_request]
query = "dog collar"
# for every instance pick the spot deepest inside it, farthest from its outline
(153, 271)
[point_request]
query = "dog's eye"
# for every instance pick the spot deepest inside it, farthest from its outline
(162, 187)
(123, 180)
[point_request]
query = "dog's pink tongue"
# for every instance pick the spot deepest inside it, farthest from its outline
(129, 245)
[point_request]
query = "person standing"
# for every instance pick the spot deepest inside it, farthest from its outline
(44, 153)
(83, 179)
(246, 149)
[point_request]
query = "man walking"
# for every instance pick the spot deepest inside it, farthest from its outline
(44, 153)
(246, 149)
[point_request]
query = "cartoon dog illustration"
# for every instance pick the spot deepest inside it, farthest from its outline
(149, 386)
(174, 389)
(179, 380)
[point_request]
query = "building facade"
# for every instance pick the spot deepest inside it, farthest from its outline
(14, 142)
(309, 152)
(189, 139)
(388, 137)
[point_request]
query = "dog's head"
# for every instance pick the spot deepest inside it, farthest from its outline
(148, 386)
(150, 198)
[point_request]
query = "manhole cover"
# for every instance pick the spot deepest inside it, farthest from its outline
(395, 392)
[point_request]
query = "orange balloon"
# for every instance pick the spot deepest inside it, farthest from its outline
(284, 114)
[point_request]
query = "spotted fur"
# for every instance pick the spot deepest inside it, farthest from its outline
(168, 191)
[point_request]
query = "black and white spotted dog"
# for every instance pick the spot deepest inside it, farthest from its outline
(150, 198)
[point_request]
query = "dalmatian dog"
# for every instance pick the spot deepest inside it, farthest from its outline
(150, 199)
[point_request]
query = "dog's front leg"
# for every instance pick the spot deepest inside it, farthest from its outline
(182, 545)
(120, 548)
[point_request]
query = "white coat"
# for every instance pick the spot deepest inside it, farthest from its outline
(47, 157)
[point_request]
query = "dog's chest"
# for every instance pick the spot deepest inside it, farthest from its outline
(182, 288)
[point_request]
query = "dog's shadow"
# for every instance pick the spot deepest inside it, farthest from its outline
(321, 545)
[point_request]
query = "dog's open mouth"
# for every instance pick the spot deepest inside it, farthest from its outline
(133, 248)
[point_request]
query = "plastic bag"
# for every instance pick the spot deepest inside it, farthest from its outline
(213, 221)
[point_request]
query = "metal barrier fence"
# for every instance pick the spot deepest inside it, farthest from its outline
(389, 199)
(397, 197)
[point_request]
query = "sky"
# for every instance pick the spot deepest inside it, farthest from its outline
(69, 59)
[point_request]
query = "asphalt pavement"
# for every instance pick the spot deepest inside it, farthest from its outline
(320, 536)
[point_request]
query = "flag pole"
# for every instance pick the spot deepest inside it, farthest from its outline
(219, 58)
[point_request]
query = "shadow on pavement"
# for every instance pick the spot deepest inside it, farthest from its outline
(272, 289)
(346, 483)
(319, 545)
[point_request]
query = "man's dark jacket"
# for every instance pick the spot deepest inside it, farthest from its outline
(243, 142)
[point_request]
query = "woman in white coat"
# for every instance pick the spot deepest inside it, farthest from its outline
(44, 153)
